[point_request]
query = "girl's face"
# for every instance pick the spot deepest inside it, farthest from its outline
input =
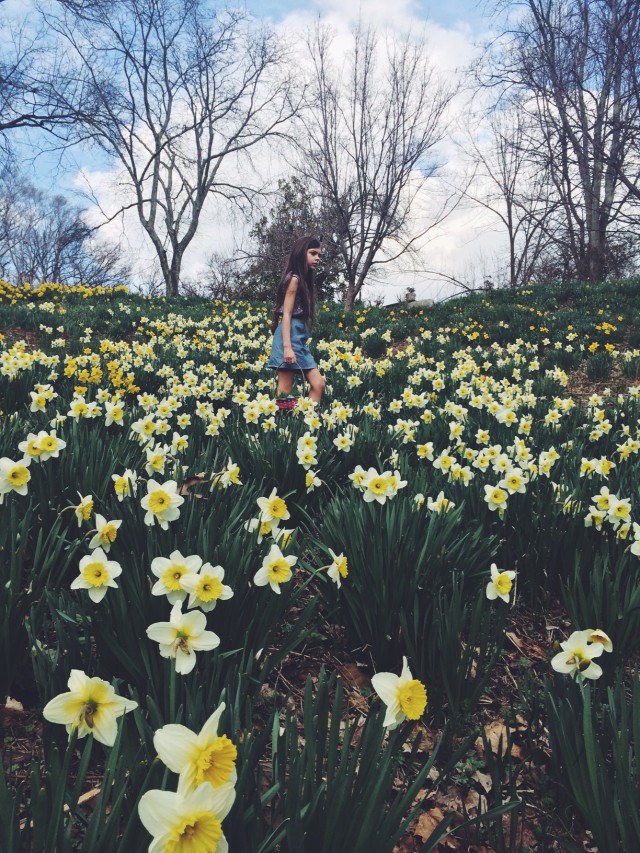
(313, 258)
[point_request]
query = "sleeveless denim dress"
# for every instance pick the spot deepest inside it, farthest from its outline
(299, 338)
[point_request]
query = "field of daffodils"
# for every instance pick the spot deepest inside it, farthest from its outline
(405, 619)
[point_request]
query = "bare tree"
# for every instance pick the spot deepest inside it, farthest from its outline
(572, 64)
(507, 184)
(33, 92)
(367, 143)
(177, 94)
(45, 238)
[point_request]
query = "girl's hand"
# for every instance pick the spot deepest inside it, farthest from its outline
(289, 355)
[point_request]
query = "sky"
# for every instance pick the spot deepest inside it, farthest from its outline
(463, 241)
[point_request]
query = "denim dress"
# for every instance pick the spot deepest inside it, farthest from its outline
(299, 338)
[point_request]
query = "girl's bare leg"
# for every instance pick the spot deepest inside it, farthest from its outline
(316, 380)
(285, 381)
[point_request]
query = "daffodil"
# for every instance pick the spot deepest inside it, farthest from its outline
(205, 587)
(496, 498)
(500, 584)
(97, 575)
(312, 481)
(125, 484)
(197, 758)
(182, 636)
(514, 481)
(264, 528)
(106, 532)
(114, 413)
(273, 508)
(358, 477)
(338, 568)
(404, 696)
(275, 569)
(375, 486)
(14, 476)
(90, 707)
(186, 824)
(171, 572)
(576, 657)
(30, 446)
(161, 503)
(84, 509)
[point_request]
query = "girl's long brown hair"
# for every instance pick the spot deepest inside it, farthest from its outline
(297, 265)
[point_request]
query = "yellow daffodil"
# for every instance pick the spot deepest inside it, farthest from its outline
(404, 696)
(205, 587)
(198, 758)
(338, 568)
(273, 508)
(14, 476)
(106, 533)
(186, 824)
(500, 584)
(161, 503)
(275, 569)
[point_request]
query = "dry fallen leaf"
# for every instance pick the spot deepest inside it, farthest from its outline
(89, 798)
(526, 648)
(428, 822)
(185, 488)
(496, 734)
(353, 674)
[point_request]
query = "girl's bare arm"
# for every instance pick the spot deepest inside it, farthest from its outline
(287, 313)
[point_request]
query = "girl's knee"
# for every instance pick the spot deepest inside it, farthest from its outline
(318, 383)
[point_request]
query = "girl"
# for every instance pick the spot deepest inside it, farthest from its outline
(295, 304)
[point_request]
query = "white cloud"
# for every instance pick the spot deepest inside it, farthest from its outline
(451, 247)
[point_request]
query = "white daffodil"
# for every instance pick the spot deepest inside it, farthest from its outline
(205, 587)
(171, 572)
(106, 532)
(156, 459)
(275, 569)
(30, 446)
(50, 445)
(514, 481)
(273, 508)
(84, 509)
(182, 636)
(496, 498)
(312, 481)
(264, 528)
(404, 696)
(375, 486)
(90, 707)
(161, 503)
(500, 584)
(14, 476)
(197, 758)
(338, 568)
(440, 504)
(597, 635)
(186, 824)
(307, 458)
(97, 574)
(576, 657)
(358, 477)
(394, 483)
(125, 484)
(114, 413)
